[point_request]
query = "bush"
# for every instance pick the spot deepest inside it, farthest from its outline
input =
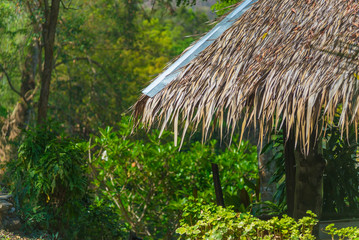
(343, 233)
(48, 179)
(208, 221)
(137, 185)
(147, 180)
(99, 221)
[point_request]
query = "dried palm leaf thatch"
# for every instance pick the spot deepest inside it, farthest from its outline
(291, 59)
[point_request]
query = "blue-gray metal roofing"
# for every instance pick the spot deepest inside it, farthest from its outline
(173, 70)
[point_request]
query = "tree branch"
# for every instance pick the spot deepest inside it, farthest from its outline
(90, 61)
(67, 7)
(9, 80)
(119, 203)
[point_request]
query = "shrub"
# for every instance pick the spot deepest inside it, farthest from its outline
(137, 185)
(99, 221)
(208, 221)
(343, 233)
(48, 179)
(146, 180)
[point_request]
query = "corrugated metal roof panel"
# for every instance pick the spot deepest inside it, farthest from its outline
(173, 70)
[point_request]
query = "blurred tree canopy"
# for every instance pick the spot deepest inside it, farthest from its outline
(104, 52)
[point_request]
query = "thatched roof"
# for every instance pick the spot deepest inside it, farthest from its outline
(296, 59)
(173, 70)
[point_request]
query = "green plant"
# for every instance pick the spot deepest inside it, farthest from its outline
(147, 180)
(343, 233)
(207, 221)
(99, 220)
(48, 179)
(341, 175)
(223, 7)
(269, 208)
(279, 204)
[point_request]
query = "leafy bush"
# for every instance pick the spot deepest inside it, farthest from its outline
(341, 176)
(147, 180)
(48, 179)
(201, 220)
(343, 233)
(137, 185)
(208, 221)
(99, 221)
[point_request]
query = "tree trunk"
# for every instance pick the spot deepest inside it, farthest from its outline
(48, 34)
(309, 181)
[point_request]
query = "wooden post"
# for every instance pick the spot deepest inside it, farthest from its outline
(217, 185)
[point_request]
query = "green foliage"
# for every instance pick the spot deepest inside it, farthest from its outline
(98, 221)
(223, 7)
(147, 180)
(342, 233)
(105, 52)
(341, 175)
(3, 112)
(102, 61)
(48, 179)
(270, 208)
(13, 35)
(207, 221)
(276, 146)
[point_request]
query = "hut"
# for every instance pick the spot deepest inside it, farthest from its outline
(282, 64)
